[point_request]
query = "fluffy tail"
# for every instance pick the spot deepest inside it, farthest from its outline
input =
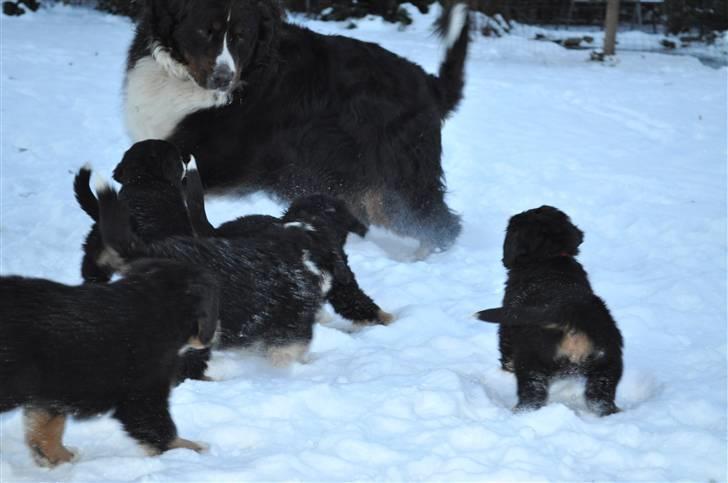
(114, 224)
(454, 28)
(85, 197)
(195, 199)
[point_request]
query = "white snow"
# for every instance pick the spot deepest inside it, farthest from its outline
(635, 153)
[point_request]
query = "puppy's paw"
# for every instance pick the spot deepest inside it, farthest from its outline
(603, 408)
(187, 444)
(53, 457)
(383, 318)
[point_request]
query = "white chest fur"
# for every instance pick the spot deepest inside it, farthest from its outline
(157, 101)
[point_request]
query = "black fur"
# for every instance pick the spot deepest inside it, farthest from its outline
(550, 311)
(318, 114)
(151, 177)
(319, 224)
(84, 350)
(269, 294)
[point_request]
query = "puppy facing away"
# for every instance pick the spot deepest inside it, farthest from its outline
(151, 175)
(551, 322)
(271, 289)
(84, 350)
(320, 224)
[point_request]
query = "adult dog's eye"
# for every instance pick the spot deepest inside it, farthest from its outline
(207, 33)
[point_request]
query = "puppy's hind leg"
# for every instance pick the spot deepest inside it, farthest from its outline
(44, 436)
(602, 378)
(286, 354)
(533, 384)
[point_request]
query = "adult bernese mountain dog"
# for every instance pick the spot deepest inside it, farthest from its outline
(266, 104)
(85, 350)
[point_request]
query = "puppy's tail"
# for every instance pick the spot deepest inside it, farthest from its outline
(454, 28)
(195, 199)
(520, 316)
(85, 197)
(115, 226)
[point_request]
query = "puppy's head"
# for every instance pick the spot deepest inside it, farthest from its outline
(539, 234)
(151, 160)
(325, 211)
(216, 42)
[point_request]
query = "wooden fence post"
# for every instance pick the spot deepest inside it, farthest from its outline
(610, 26)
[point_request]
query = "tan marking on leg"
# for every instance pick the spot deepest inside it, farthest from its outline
(374, 208)
(383, 318)
(575, 346)
(285, 355)
(44, 435)
(187, 444)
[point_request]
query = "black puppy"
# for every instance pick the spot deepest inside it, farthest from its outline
(551, 322)
(271, 288)
(151, 175)
(323, 224)
(82, 351)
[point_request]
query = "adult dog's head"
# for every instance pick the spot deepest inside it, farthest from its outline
(150, 160)
(539, 234)
(325, 211)
(216, 43)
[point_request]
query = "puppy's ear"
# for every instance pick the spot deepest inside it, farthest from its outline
(514, 246)
(208, 308)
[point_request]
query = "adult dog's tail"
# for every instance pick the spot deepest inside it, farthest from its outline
(454, 28)
(115, 226)
(85, 197)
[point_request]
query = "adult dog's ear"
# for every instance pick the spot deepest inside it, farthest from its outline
(159, 14)
(271, 18)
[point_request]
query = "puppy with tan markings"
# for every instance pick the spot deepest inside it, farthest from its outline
(84, 350)
(271, 288)
(151, 174)
(319, 224)
(551, 322)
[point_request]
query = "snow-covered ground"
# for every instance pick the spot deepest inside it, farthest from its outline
(635, 153)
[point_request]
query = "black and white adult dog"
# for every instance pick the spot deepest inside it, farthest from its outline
(322, 224)
(271, 289)
(551, 322)
(82, 351)
(265, 104)
(151, 175)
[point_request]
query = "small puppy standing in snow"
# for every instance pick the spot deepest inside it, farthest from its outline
(319, 224)
(83, 351)
(551, 322)
(151, 175)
